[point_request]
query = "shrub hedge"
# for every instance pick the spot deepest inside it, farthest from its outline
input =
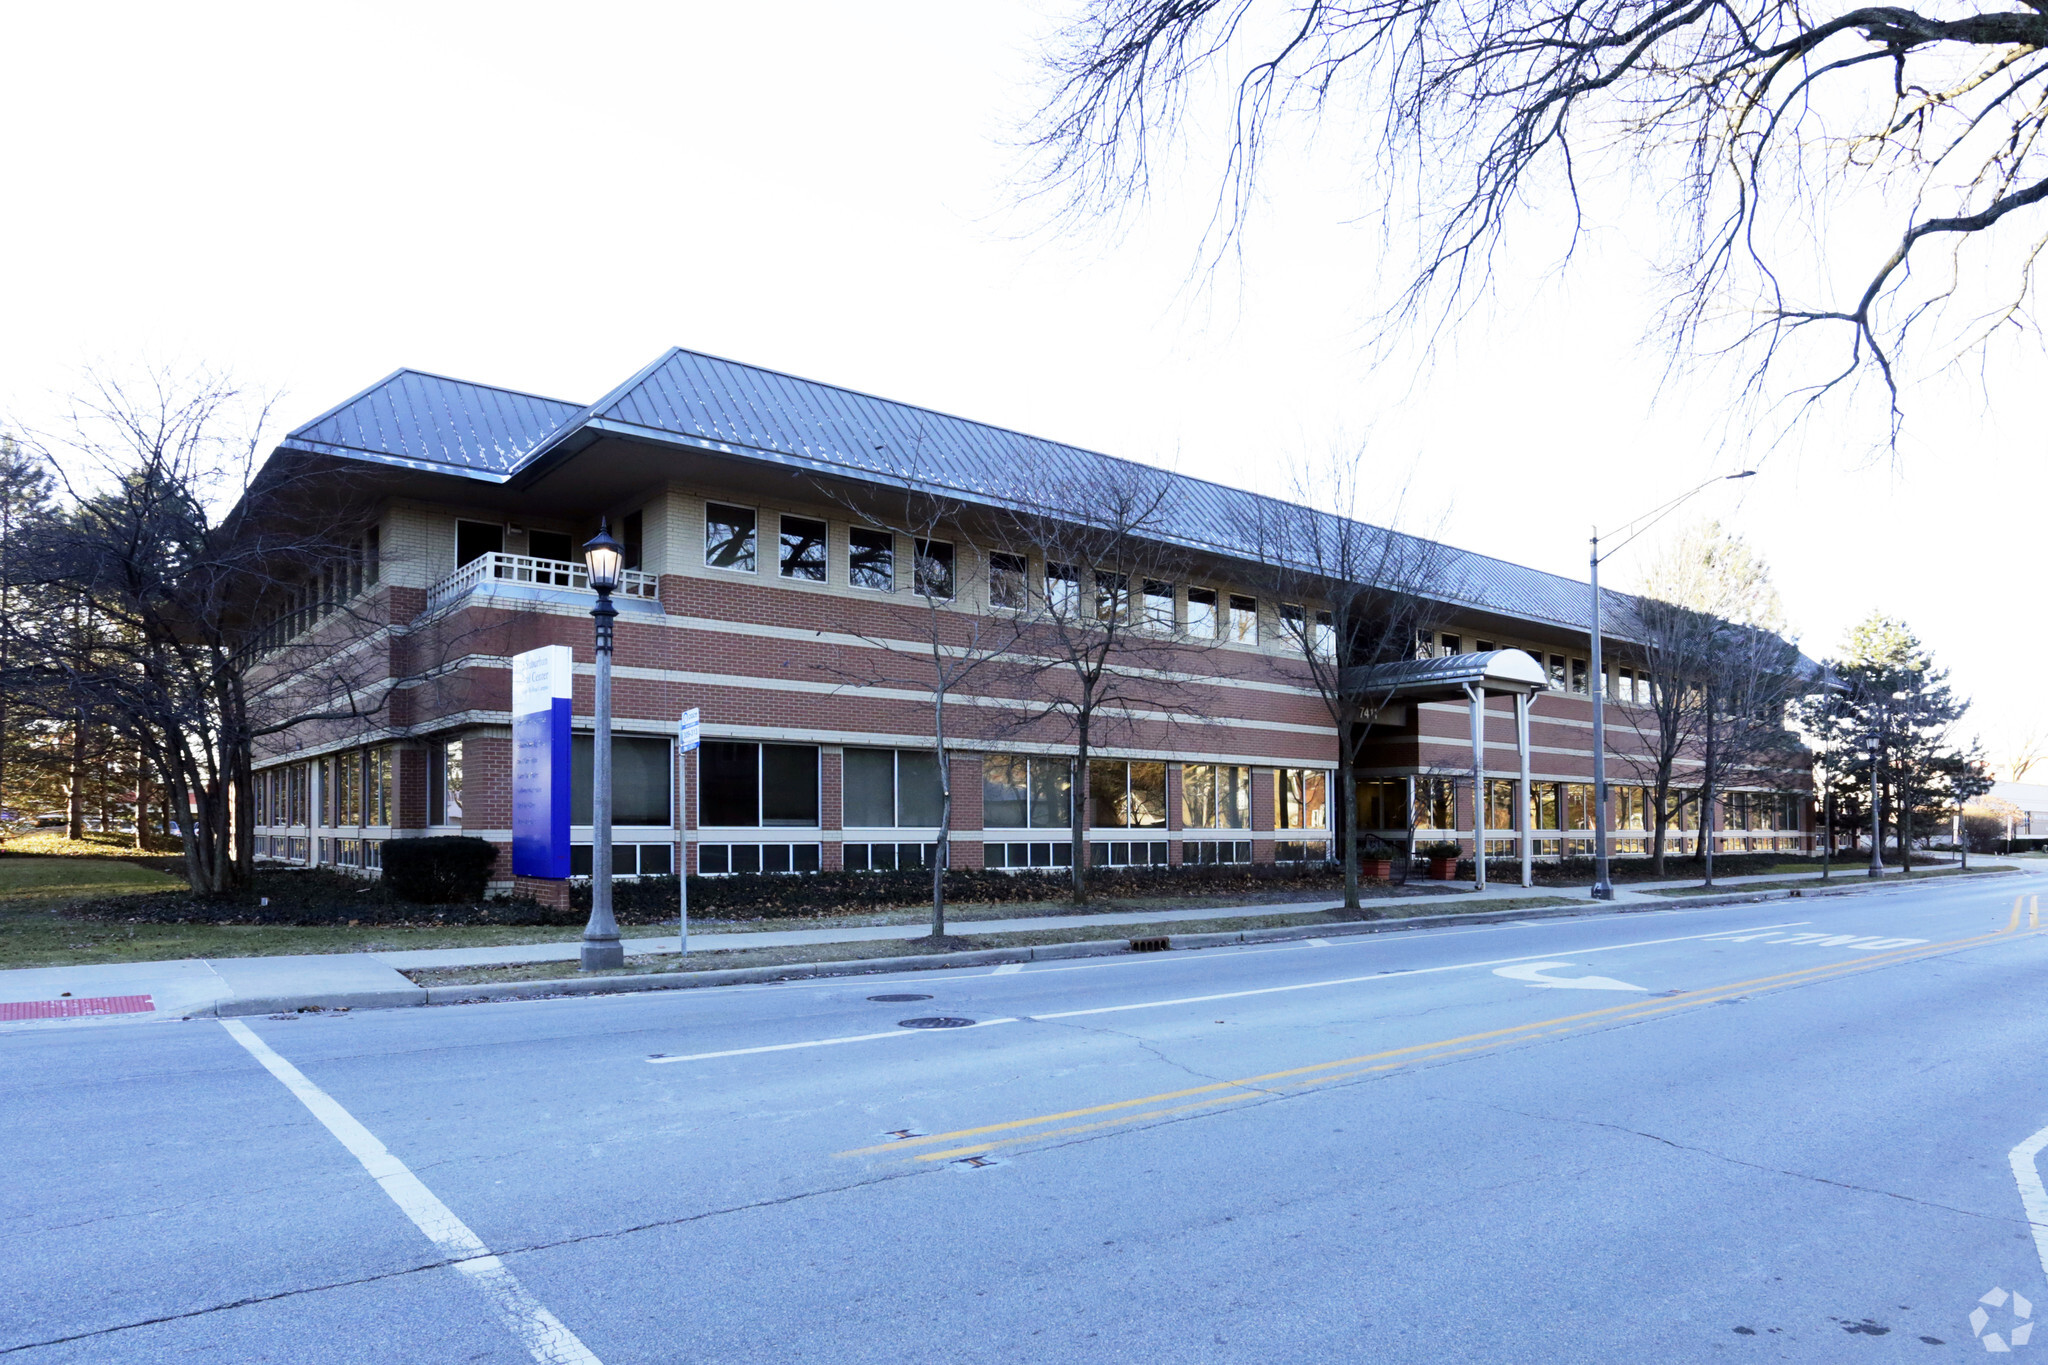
(442, 870)
(776, 896)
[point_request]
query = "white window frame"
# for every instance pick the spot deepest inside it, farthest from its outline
(710, 503)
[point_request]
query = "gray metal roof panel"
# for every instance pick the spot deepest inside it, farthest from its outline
(705, 398)
(430, 421)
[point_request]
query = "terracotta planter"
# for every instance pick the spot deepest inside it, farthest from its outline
(1376, 869)
(1442, 869)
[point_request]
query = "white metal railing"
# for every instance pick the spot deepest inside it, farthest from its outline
(497, 567)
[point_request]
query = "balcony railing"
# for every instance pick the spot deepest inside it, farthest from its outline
(495, 567)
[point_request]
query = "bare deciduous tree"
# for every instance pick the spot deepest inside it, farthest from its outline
(1359, 593)
(217, 629)
(1093, 655)
(1763, 128)
(953, 641)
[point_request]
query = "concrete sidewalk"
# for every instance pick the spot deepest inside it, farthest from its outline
(730, 939)
(188, 987)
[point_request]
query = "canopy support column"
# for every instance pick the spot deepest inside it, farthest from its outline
(1476, 699)
(1525, 789)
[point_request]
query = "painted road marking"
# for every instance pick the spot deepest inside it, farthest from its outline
(1179, 1000)
(1869, 943)
(2033, 1198)
(1008, 969)
(823, 1042)
(1274, 1083)
(543, 1335)
(1534, 973)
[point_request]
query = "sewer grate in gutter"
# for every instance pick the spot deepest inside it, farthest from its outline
(935, 1021)
(1150, 945)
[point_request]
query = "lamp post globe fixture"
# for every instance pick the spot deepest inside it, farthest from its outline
(603, 558)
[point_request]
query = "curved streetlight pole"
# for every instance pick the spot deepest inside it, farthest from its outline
(603, 557)
(1596, 684)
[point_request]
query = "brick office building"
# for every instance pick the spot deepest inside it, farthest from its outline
(757, 593)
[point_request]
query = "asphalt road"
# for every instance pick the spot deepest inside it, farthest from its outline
(1776, 1132)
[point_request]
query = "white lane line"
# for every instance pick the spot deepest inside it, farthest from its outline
(543, 1335)
(1355, 980)
(1162, 1004)
(2033, 1198)
(823, 1042)
(1008, 969)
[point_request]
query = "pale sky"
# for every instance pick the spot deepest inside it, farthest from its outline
(546, 197)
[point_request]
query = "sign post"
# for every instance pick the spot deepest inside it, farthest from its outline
(540, 762)
(688, 734)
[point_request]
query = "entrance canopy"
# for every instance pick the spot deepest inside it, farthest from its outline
(1498, 670)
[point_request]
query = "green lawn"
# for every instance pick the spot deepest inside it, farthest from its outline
(43, 878)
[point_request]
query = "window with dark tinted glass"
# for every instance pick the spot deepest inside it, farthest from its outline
(477, 538)
(803, 549)
(632, 534)
(640, 780)
(871, 559)
(789, 784)
(729, 537)
(934, 569)
(1007, 585)
(554, 545)
(728, 783)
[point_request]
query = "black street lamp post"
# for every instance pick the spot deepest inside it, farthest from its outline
(603, 557)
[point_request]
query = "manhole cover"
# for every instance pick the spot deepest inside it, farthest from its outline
(935, 1021)
(897, 999)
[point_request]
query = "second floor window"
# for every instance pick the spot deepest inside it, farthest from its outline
(1242, 625)
(729, 537)
(871, 559)
(1008, 587)
(934, 570)
(802, 554)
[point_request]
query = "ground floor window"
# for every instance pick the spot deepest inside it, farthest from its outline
(884, 788)
(1014, 856)
(628, 860)
(887, 857)
(1383, 803)
(1026, 793)
(1204, 851)
(1215, 796)
(641, 780)
(1436, 803)
(741, 784)
(1302, 851)
(715, 860)
(1125, 795)
(1118, 853)
(1303, 803)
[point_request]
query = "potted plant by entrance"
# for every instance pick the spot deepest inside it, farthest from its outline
(1443, 860)
(1375, 860)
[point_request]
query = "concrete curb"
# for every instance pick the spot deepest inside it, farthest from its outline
(560, 987)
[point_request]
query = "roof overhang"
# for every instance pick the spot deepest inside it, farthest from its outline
(1498, 670)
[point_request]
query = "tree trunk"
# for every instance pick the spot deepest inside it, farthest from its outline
(1707, 802)
(1079, 811)
(74, 823)
(142, 796)
(942, 851)
(1662, 813)
(1347, 794)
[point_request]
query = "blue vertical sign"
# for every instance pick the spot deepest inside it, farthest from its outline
(541, 683)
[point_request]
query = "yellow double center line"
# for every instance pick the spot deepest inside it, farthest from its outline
(1270, 1084)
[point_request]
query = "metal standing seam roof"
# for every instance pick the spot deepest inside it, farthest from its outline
(427, 421)
(430, 422)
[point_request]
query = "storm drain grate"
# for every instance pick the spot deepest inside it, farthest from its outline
(897, 999)
(1150, 945)
(935, 1021)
